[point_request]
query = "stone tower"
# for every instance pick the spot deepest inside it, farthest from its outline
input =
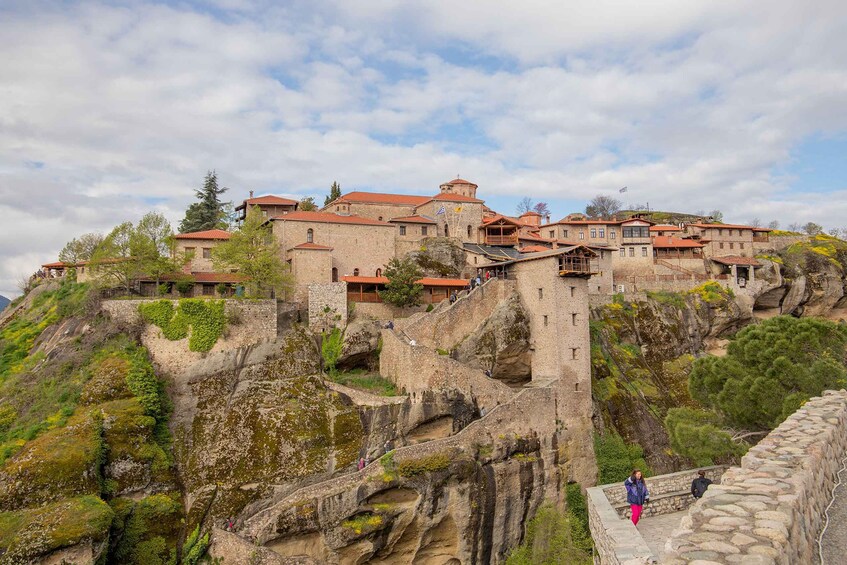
(460, 186)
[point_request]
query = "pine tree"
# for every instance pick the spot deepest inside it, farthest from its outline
(334, 192)
(208, 212)
(402, 288)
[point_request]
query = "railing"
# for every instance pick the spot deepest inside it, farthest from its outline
(501, 239)
(371, 297)
(575, 264)
(760, 239)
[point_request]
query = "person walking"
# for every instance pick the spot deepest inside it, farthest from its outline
(361, 464)
(636, 494)
(700, 484)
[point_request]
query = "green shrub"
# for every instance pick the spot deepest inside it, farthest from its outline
(331, 349)
(373, 383)
(550, 540)
(184, 287)
(430, 308)
(164, 288)
(206, 318)
(363, 523)
(422, 465)
(616, 459)
(195, 547)
(222, 289)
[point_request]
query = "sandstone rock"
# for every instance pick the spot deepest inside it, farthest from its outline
(360, 344)
(439, 257)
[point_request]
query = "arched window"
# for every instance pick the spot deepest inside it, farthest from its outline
(335, 274)
(379, 272)
(310, 235)
(355, 272)
(380, 218)
(469, 232)
(446, 231)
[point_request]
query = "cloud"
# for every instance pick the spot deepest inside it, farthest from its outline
(107, 109)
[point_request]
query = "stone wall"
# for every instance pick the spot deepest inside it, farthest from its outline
(771, 509)
(449, 324)
(382, 311)
(259, 315)
(617, 540)
(327, 305)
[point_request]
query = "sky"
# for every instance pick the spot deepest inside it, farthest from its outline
(112, 109)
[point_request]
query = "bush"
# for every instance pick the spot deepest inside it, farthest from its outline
(184, 287)
(205, 317)
(222, 289)
(697, 434)
(422, 465)
(163, 289)
(550, 540)
(331, 350)
(430, 308)
(616, 459)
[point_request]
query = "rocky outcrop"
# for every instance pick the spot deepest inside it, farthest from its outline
(439, 257)
(360, 345)
(501, 344)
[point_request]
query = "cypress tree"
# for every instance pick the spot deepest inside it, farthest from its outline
(334, 192)
(208, 212)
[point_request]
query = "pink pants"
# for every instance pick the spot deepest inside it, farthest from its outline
(636, 512)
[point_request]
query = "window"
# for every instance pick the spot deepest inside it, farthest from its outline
(189, 250)
(573, 319)
(545, 321)
(740, 246)
(355, 272)
(264, 213)
(207, 253)
(564, 233)
(474, 259)
(574, 353)
(446, 231)
(613, 234)
(602, 232)
(731, 245)
(380, 218)
(540, 293)
(623, 251)
(721, 245)
(335, 274)
(573, 291)
(582, 235)
(593, 233)
(552, 234)
(208, 290)
(402, 230)
(636, 231)
(644, 252)
(469, 232)
(310, 235)
(423, 230)
(379, 272)
(632, 252)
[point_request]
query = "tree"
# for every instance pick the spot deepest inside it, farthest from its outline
(603, 207)
(812, 228)
(756, 223)
(525, 205)
(156, 250)
(795, 227)
(255, 253)
(774, 225)
(717, 216)
(117, 261)
(209, 212)
(402, 288)
(699, 435)
(770, 370)
(307, 204)
(334, 192)
(836, 232)
(81, 249)
(541, 208)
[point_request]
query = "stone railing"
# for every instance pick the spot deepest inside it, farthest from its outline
(771, 509)
(616, 539)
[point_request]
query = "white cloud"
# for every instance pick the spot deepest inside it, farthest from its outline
(692, 105)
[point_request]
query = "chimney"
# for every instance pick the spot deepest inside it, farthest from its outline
(251, 194)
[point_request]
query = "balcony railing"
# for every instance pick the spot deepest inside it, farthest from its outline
(574, 265)
(501, 239)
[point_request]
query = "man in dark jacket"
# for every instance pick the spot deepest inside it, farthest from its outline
(700, 484)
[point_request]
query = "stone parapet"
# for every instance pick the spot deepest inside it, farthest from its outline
(327, 305)
(616, 539)
(771, 509)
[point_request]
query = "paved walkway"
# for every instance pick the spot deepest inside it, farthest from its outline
(834, 541)
(657, 529)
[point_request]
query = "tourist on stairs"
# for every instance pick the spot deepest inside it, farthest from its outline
(636, 494)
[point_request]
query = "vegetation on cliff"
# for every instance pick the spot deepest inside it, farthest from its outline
(202, 321)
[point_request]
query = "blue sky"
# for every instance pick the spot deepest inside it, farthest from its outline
(111, 109)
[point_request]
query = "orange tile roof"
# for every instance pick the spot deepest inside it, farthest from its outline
(327, 218)
(383, 198)
(729, 226)
(450, 197)
(533, 249)
(665, 227)
(664, 241)
(269, 200)
(461, 181)
(413, 220)
(530, 213)
(737, 260)
(314, 246)
(206, 234)
(426, 281)
(498, 217)
(55, 265)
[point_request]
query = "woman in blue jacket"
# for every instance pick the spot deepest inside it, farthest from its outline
(636, 494)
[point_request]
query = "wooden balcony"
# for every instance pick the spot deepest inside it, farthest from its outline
(575, 266)
(760, 238)
(501, 239)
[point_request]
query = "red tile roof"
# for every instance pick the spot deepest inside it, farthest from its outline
(413, 220)
(450, 197)
(426, 281)
(729, 226)
(383, 198)
(737, 260)
(207, 234)
(498, 217)
(56, 265)
(665, 227)
(269, 200)
(461, 181)
(327, 218)
(314, 246)
(665, 241)
(530, 213)
(533, 249)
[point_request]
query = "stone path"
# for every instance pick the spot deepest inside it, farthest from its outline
(834, 541)
(657, 529)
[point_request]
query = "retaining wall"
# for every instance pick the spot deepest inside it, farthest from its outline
(771, 509)
(259, 315)
(616, 539)
(327, 306)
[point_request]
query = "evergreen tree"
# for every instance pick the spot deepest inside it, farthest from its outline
(307, 204)
(402, 288)
(208, 212)
(334, 192)
(254, 252)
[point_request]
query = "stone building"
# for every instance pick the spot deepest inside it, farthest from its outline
(727, 239)
(672, 255)
(199, 246)
(267, 205)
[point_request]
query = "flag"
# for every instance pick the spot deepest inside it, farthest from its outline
(441, 211)
(457, 209)
(622, 190)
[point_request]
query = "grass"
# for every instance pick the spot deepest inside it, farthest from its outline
(368, 382)
(363, 523)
